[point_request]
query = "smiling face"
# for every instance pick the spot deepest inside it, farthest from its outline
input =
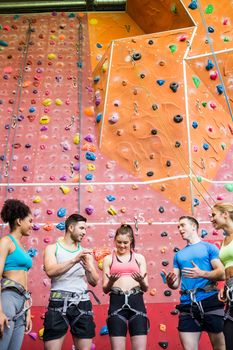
(123, 243)
(25, 225)
(218, 219)
(187, 229)
(77, 231)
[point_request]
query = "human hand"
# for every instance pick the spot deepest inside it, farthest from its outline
(192, 272)
(222, 295)
(81, 256)
(3, 323)
(138, 277)
(113, 278)
(171, 278)
(28, 326)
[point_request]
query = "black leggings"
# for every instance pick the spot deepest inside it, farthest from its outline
(228, 330)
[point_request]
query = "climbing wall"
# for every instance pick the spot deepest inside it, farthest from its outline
(123, 120)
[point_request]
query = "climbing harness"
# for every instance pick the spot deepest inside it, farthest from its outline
(228, 290)
(197, 305)
(70, 299)
(6, 284)
(126, 306)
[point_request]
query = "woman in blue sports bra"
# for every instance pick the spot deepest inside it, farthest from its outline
(15, 300)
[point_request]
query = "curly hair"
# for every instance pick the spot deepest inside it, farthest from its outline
(12, 210)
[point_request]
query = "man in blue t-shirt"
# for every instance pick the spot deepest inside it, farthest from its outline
(197, 267)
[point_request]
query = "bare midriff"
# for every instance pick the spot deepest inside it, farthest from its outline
(19, 276)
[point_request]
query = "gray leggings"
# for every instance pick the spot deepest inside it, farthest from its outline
(12, 303)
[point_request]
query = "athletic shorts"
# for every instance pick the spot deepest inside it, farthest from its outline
(117, 327)
(55, 325)
(210, 322)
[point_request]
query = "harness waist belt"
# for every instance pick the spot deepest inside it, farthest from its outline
(207, 288)
(7, 283)
(119, 291)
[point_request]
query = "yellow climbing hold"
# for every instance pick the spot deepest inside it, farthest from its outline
(53, 37)
(52, 56)
(47, 102)
(90, 167)
(41, 333)
(37, 199)
(100, 264)
(105, 66)
(58, 102)
(112, 210)
(76, 139)
(93, 21)
(45, 119)
(65, 189)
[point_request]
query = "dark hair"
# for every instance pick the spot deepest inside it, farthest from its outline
(124, 230)
(192, 219)
(74, 218)
(12, 210)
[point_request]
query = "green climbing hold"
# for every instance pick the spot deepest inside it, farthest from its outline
(209, 9)
(204, 104)
(173, 8)
(223, 145)
(172, 48)
(226, 39)
(199, 178)
(229, 187)
(196, 81)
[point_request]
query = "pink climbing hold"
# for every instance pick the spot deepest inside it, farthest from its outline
(33, 335)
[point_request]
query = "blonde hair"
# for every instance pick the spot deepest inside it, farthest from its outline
(225, 207)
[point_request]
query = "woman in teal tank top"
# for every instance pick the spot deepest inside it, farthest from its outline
(222, 219)
(14, 265)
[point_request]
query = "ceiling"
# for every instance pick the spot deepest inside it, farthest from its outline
(23, 6)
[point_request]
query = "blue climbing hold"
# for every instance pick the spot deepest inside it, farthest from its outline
(210, 29)
(90, 156)
(32, 252)
(89, 177)
(193, 5)
(3, 43)
(194, 124)
(98, 117)
(111, 198)
(209, 65)
(104, 330)
(96, 79)
(61, 212)
(204, 233)
(219, 89)
(160, 82)
(196, 202)
(61, 226)
(162, 274)
(99, 46)
(205, 146)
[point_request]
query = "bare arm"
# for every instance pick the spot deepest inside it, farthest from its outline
(4, 251)
(108, 280)
(90, 270)
(52, 268)
(173, 278)
(141, 277)
(217, 274)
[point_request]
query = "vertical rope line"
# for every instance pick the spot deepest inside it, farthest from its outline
(80, 81)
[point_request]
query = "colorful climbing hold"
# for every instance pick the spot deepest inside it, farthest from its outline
(196, 81)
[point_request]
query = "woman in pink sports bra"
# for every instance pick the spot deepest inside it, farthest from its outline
(125, 279)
